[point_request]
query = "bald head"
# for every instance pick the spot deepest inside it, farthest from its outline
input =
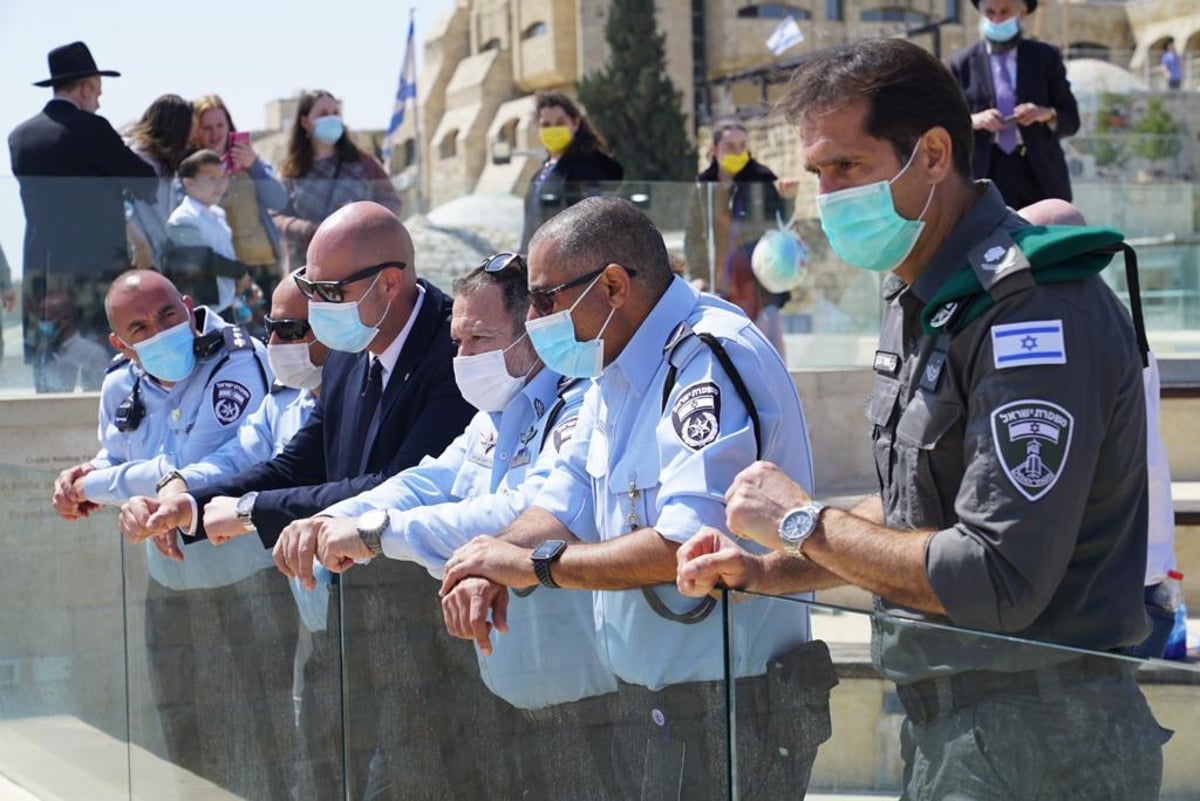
(356, 236)
(134, 285)
(288, 302)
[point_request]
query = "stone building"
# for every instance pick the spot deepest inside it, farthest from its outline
(485, 60)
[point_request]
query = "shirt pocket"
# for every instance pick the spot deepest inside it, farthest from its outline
(471, 481)
(879, 414)
(929, 456)
(633, 490)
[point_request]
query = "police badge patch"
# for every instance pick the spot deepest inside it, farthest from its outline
(229, 400)
(562, 433)
(1032, 438)
(696, 415)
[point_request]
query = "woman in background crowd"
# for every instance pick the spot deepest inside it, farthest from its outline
(254, 192)
(161, 138)
(323, 171)
(579, 161)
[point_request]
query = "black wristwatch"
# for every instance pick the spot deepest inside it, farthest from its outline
(545, 555)
(371, 526)
(245, 510)
(167, 479)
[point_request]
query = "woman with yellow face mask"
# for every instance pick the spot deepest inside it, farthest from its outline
(578, 162)
(744, 206)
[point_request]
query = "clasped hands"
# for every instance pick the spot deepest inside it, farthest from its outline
(1024, 115)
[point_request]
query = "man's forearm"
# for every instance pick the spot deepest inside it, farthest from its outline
(870, 509)
(784, 574)
(886, 562)
(637, 559)
(533, 527)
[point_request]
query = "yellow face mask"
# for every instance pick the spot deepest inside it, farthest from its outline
(556, 138)
(733, 163)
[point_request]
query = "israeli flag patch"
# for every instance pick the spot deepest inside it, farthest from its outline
(1023, 344)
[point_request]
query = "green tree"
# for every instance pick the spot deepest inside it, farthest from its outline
(1158, 133)
(1111, 124)
(633, 102)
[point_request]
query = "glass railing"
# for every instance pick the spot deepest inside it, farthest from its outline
(55, 337)
(113, 686)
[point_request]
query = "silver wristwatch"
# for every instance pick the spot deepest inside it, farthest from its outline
(245, 510)
(798, 525)
(371, 526)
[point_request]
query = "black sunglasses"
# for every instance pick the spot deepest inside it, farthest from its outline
(501, 262)
(542, 300)
(287, 329)
(335, 291)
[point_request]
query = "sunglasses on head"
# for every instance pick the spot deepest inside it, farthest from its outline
(501, 262)
(287, 329)
(335, 291)
(542, 300)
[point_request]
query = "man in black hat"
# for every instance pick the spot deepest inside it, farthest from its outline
(1021, 105)
(73, 170)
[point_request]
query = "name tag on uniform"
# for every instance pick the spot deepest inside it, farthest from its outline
(886, 363)
(1023, 344)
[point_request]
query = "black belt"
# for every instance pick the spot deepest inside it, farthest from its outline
(928, 699)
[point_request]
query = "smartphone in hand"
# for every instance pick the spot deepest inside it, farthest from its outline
(235, 138)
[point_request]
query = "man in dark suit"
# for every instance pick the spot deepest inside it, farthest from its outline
(73, 169)
(388, 399)
(1021, 105)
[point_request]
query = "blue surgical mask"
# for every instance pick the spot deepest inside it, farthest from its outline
(338, 326)
(169, 355)
(999, 31)
(553, 337)
(864, 228)
(328, 129)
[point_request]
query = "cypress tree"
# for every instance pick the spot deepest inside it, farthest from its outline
(633, 102)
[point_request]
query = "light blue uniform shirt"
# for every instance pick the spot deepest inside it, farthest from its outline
(182, 424)
(633, 464)
(261, 437)
(478, 485)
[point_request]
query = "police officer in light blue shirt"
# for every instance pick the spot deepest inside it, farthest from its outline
(687, 392)
(478, 485)
(186, 382)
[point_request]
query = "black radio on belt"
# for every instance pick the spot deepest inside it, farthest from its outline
(131, 411)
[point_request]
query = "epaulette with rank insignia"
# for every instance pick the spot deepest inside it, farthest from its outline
(116, 362)
(236, 338)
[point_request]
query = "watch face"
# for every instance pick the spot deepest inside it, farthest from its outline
(549, 549)
(797, 525)
(374, 520)
(245, 504)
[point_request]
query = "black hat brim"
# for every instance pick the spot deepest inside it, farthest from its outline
(59, 80)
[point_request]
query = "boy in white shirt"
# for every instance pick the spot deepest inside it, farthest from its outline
(201, 238)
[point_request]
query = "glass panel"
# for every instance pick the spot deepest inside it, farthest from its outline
(1036, 719)
(63, 705)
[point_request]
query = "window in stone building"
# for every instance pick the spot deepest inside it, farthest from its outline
(952, 12)
(894, 14)
(410, 152)
(773, 11)
(508, 132)
(536, 29)
(833, 10)
(448, 148)
(490, 44)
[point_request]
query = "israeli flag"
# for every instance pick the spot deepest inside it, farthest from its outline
(405, 92)
(1023, 344)
(786, 35)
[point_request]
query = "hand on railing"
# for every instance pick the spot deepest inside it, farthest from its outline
(466, 607)
(144, 518)
(334, 542)
(710, 560)
(68, 498)
(757, 500)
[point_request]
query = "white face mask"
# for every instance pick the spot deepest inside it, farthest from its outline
(484, 380)
(292, 365)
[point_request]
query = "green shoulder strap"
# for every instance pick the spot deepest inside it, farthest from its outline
(1055, 253)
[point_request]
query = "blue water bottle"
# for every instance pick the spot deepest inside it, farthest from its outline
(1177, 639)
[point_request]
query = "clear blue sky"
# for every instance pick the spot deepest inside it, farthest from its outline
(249, 52)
